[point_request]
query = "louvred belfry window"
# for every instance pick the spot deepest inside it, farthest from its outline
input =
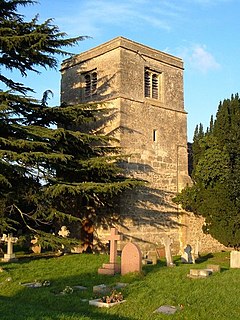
(147, 84)
(90, 84)
(152, 84)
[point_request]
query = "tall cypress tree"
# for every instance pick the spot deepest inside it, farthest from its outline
(49, 174)
(215, 193)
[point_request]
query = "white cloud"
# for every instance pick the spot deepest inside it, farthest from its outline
(197, 57)
(91, 17)
(203, 60)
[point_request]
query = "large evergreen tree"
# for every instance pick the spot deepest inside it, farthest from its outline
(50, 174)
(215, 193)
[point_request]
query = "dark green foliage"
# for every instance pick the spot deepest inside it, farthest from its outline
(215, 193)
(49, 174)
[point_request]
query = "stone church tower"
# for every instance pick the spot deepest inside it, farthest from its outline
(144, 89)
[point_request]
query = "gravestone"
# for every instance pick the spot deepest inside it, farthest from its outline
(167, 242)
(187, 256)
(36, 248)
(196, 248)
(113, 266)
(64, 232)
(98, 303)
(214, 267)
(199, 273)
(9, 256)
(131, 259)
(166, 310)
(235, 259)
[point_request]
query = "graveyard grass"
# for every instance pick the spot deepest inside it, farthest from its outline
(216, 297)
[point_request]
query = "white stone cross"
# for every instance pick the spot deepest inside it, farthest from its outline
(114, 237)
(167, 242)
(10, 241)
(64, 232)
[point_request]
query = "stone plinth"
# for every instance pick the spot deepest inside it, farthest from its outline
(109, 268)
(9, 257)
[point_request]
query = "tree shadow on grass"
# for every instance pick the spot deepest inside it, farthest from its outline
(204, 258)
(47, 302)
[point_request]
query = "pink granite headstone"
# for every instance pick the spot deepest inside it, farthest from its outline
(131, 258)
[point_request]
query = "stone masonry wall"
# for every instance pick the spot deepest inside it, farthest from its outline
(152, 131)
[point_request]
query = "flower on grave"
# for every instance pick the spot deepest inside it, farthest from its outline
(114, 297)
(46, 283)
(67, 290)
(42, 283)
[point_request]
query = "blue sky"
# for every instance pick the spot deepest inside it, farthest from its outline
(204, 33)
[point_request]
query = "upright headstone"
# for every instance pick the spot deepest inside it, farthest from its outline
(167, 242)
(196, 249)
(9, 256)
(131, 259)
(187, 256)
(113, 266)
(235, 259)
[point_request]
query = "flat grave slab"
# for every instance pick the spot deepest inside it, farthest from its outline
(199, 273)
(166, 310)
(98, 303)
(80, 287)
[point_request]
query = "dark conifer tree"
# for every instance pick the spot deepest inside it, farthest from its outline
(49, 174)
(215, 192)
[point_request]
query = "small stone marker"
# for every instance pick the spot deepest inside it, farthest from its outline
(101, 289)
(187, 256)
(113, 266)
(9, 256)
(36, 248)
(214, 267)
(80, 288)
(199, 273)
(131, 259)
(167, 242)
(235, 259)
(166, 309)
(151, 258)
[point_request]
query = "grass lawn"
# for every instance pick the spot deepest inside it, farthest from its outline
(216, 297)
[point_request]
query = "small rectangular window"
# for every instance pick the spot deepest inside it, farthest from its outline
(154, 135)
